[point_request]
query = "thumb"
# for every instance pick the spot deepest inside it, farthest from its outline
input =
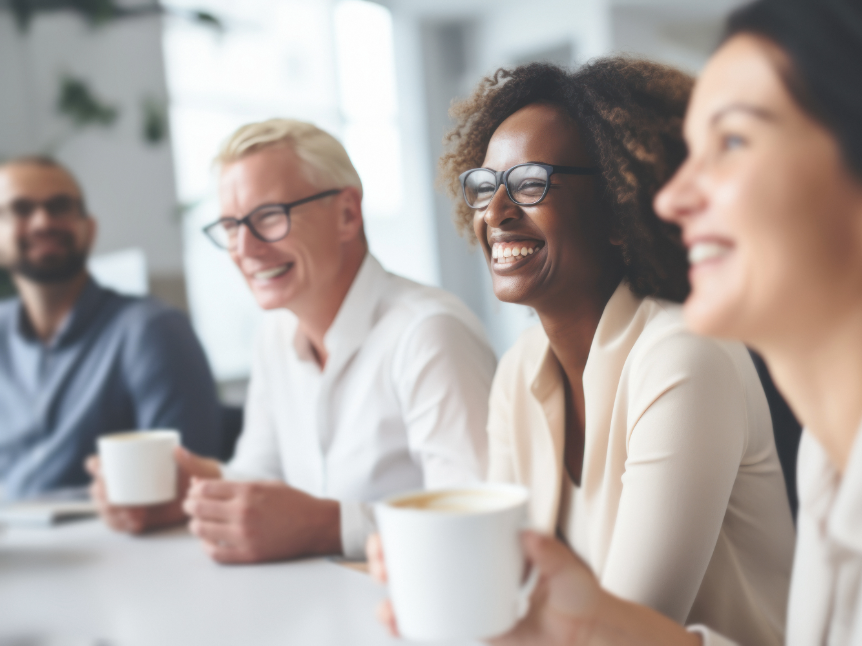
(195, 465)
(572, 586)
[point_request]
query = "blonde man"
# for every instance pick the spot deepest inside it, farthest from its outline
(363, 383)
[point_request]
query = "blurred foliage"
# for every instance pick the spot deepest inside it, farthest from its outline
(7, 288)
(99, 12)
(78, 102)
(155, 120)
(76, 99)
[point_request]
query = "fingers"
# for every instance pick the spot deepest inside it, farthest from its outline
(547, 554)
(376, 563)
(386, 616)
(124, 519)
(222, 542)
(92, 466)
(214, 489)
(216, 533)
(208, 510)
(228, 554)
(571, 586)
(195, 465)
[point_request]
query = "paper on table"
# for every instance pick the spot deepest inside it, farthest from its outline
(48, 510)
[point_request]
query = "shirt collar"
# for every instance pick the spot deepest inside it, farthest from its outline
(84, 310)
(354, 319)
(616, 334)
(833, 501)
(845, 517)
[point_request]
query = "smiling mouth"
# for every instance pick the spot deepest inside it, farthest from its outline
(506, 253)
(272, 272)
(704, 252)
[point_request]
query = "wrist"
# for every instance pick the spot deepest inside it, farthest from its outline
(326, 539)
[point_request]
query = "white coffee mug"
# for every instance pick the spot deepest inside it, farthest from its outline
(454, 560)
(138, 467)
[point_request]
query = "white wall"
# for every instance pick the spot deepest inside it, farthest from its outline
(129, 184)
(447, 46)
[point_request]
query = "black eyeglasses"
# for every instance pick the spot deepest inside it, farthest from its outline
(58, 207)
(526, 184)
(268, 222)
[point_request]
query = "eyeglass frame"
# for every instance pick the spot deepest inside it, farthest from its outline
(502, 177)
(77, 210)
(246, 220)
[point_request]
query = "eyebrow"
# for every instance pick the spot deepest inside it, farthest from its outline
(753, 110)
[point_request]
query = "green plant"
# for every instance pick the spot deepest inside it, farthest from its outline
(78, 102)
(100, 12)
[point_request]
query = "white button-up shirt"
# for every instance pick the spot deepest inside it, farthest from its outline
(826, 589)
(401, 403)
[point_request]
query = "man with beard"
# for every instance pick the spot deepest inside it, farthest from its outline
(77, 360)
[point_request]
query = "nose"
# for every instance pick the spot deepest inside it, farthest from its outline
(247, 244)
(40, 218)
(501, 209)
(682, 197)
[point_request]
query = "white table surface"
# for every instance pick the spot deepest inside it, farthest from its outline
(81, 584)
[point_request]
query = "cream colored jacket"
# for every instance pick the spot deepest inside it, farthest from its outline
(682, 505)
(826, 591)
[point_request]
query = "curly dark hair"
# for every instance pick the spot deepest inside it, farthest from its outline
(629, 113)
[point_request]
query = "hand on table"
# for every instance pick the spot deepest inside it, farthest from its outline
(568, 606)
(136, 520)
(250, 522)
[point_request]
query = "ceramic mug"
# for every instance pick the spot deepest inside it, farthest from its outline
(454, 560)
(138, 467)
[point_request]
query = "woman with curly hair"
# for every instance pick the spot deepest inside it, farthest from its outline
(646, 448)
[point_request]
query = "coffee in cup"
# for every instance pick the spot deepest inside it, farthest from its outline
(454, 560)
(138, 467)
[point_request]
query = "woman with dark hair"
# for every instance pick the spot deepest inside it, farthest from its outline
(647, 449)
(770, 205)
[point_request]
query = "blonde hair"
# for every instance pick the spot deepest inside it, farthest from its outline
(324, 156)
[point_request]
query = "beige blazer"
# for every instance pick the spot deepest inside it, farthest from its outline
(826, 590)
(682, 504)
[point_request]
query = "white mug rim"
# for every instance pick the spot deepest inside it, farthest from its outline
(142, 435)
(522, 493)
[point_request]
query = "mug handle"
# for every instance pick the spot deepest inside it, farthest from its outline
(526, 591)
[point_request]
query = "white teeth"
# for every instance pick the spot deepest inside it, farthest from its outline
(703, 251)
(271, 273)
(505, 255)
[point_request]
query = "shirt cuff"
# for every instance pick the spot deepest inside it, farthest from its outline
(709, 637)
(357, 524)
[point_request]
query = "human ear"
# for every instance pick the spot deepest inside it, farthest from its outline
(350, 220)
(91, 228)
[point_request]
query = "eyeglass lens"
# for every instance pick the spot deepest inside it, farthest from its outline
(526, 185)
(270, 223)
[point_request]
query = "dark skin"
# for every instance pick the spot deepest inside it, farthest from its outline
(574, 270)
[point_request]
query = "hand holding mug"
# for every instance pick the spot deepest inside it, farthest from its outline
(454, 562)
(569, 607)
(138, 518)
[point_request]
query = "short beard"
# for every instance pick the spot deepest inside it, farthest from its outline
(54, 269)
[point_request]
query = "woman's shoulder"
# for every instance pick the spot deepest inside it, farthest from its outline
(666, 344)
